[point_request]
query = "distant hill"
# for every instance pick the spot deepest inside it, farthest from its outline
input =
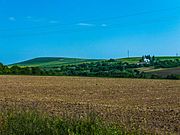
(59, 61)
(53, 61)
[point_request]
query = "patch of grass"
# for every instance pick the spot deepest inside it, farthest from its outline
(35, 123)
(131, 60)
(150, 69)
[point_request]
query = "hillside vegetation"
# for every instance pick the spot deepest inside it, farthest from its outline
(144, 67)
(133, 60)
(53, 61)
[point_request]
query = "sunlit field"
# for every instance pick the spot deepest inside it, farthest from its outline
(151, 106)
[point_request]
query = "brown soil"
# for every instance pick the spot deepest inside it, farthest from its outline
(149, 105)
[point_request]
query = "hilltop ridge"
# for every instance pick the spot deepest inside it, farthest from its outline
(59, 61)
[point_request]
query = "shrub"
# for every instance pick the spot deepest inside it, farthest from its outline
(172, 76)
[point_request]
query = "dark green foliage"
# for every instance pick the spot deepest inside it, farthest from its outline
(107, 68)
(167, 64)
(113, 68)
(112, 60)
(172, 76)
(153, 76)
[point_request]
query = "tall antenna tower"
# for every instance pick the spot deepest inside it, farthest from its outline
(128, 54)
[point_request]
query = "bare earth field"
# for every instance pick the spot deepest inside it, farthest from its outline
(148, 105)
(175, 71)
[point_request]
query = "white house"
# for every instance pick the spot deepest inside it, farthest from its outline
(146, 60)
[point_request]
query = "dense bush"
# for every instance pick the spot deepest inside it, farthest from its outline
(167, 63)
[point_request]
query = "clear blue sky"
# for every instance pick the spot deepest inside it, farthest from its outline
(88, 28)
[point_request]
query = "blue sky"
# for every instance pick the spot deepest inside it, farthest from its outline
(88, 28)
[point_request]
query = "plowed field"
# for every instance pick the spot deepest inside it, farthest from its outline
(149, 105)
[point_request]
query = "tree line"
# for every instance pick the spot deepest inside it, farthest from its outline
(107, 68)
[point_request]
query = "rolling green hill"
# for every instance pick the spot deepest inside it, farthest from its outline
(53, 61)
(59, 61)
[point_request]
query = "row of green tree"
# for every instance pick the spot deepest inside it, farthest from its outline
(108, 68)
(16, 70)
(115, 68)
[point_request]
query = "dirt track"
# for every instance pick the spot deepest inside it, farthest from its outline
(150, 105)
